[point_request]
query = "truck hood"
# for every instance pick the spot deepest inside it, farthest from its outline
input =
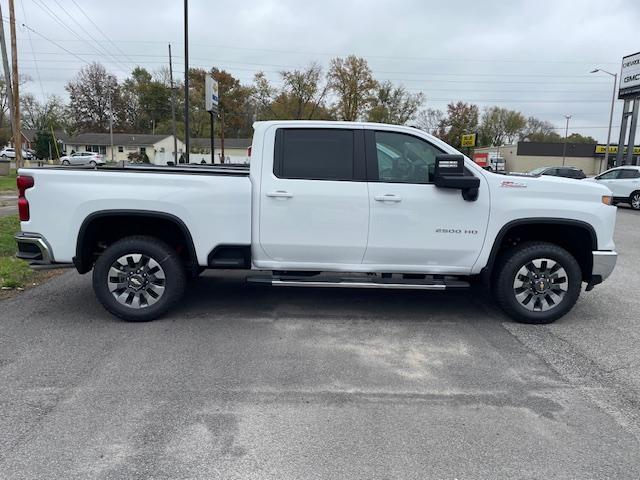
(556, 186)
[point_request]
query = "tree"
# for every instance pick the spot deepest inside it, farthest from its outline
(91, 93)
(500, 125)
(353, 83)
(301, 97)
(45, 145)
(537, 130)
(234, 98)
(37, 116)
(429, 120)
(577, 138)
(393, 105)
(461, 118)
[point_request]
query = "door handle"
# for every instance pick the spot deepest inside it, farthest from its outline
(388, 197)
(279, 194)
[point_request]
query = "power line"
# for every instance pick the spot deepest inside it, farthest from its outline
(56, 44)
(35, 60)
(100, 30)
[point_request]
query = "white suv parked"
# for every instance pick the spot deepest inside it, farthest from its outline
(624, 183)
(8, 152)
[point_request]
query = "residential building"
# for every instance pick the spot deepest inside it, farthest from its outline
(236, 150)
(158, 148)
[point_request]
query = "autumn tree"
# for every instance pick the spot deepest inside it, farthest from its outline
(91, 93)
(352, 82)
(394, 105)
(233, 105)
(500, 125)
(577, 138)
(461, 118)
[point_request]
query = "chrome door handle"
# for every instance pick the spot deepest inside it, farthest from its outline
(388, 197)
(279, 194)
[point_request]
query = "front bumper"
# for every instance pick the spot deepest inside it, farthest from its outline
(34, 249)
(603, 264)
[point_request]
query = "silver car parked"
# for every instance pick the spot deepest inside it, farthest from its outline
(83, 158)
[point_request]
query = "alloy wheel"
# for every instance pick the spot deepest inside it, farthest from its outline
(136, 280)
(540, 285)
(635, 201)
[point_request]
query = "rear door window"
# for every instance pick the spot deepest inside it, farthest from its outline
(315, 154)
(629, 173)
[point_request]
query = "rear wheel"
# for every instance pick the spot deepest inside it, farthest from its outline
(92, 163)
(537, 282)
(634, 200)
(65, 162)
(138, 278)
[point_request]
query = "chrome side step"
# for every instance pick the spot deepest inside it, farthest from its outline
(360, 282)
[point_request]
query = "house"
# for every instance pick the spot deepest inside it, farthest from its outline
(158, 148)
(236, 150)
(29, 138)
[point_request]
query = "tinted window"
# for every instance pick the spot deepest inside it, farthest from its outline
(628, 173)
(610, 175)
(315, 154)
(404, 159)
(554, 172)
(575, 173)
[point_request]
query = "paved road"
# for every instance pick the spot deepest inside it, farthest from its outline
(253, 382)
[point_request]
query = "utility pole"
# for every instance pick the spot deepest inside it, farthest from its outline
(222, 134)
(613, 103)
(5, 66)
(111, 126)
(186, 80)
(173, 110)
(17, 131)
(566, 134)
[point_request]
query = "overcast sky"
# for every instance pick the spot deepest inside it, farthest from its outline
(533, 56)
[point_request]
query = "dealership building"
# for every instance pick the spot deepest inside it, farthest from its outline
(525, 156)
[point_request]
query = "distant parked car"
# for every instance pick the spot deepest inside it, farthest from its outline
(565, 172)
(8, 152)
(83, 158)
(624, 183)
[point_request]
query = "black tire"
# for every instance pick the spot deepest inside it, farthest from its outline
(634, 200)
(65, 162)
(511, 264)
(172, 285)
(92, 164)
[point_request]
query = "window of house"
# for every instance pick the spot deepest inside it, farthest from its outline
(120, 149)
(143, 149)
(314, 154)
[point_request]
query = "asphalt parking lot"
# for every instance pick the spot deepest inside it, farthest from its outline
(255, 382)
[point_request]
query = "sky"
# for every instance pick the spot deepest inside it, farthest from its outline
(527, 55)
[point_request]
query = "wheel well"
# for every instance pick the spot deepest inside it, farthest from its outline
(103, 229)
(577, 238)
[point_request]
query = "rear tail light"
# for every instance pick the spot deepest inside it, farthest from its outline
(24, 183)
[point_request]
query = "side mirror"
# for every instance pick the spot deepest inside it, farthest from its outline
(449, 173)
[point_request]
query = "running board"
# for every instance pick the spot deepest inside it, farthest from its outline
(382, 283)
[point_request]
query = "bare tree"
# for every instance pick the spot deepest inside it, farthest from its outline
(393, 105)
(91, 93)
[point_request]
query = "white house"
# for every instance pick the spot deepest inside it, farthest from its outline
(236, 150)
(158, 148)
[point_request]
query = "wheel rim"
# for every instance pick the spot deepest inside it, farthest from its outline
(136, 280)
(635, 201)
(540, 285)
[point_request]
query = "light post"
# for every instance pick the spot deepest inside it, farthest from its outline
(613, 101)
(566, 134)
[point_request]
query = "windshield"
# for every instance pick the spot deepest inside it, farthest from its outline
(537, 171)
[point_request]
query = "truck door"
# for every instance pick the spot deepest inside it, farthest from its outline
(314, 203)
(414, 225)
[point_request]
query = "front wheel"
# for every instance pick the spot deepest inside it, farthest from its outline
(537, 282)
(139, 278)
(634, 200)
(65, 163)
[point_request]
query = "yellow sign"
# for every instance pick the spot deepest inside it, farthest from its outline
(469, 140)
(614, 149)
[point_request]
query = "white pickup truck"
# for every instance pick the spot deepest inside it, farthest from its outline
(323, 204)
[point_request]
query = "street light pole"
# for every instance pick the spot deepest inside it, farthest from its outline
(187, 141)
(566, 134)
(613, 102)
